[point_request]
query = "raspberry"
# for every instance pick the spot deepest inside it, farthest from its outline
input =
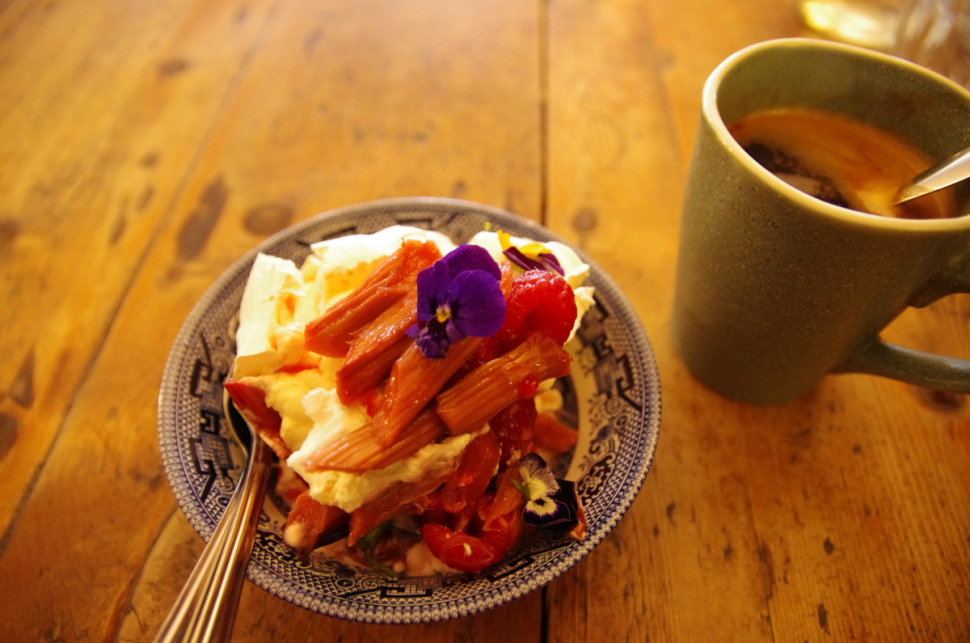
(538, 301)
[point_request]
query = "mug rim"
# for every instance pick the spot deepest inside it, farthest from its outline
(712, 114)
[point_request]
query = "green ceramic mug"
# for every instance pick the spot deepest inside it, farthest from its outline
(776, 289)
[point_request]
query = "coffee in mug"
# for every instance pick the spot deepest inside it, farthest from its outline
(840, 160)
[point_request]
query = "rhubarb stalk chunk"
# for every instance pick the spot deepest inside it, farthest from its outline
(491, 387)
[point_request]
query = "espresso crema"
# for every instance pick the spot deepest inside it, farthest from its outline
(840, 160)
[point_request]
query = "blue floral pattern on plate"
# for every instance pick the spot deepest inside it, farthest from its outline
(613, 395)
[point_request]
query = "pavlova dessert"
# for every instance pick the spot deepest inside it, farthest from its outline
(405, 384)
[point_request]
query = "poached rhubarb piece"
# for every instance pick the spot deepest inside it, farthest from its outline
(331, 334)
(494, 385)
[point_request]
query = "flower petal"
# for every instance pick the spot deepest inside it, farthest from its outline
(536, 476)
(469, 257)
(477, 303)
(542, 508)
(559, 513)
(432, 284)
(533, 249)
(452, 333)
(550, 260)
(519, 259)
(432, 340)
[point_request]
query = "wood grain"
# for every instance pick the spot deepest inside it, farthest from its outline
(753, 524)
(146, 145)
(88, 179)
(302, 123)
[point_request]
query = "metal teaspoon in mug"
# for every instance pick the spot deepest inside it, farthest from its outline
(942, 175)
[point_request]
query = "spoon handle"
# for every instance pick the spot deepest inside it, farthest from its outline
(206, 608)
(954, 169)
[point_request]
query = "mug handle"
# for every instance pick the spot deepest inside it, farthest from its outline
(878, 357)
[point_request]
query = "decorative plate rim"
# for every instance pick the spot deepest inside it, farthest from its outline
(398, 610)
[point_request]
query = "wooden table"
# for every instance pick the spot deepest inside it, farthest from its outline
(146, 145)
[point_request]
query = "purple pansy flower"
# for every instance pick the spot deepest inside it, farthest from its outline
(458, 296)
(550, 503)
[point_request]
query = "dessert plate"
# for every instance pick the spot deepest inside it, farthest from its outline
(612, 397)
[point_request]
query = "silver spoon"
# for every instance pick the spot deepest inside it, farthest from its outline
(206, 608)
(942, 175)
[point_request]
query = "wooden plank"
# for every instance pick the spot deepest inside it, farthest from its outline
(353, 103)
(788, 523)
(88, 171)
(334, 103)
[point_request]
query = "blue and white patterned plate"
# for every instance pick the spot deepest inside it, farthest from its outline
(613, 392)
